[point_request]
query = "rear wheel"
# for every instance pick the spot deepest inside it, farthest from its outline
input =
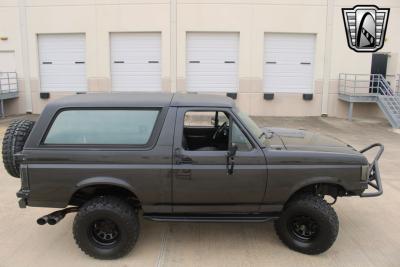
(106, 228)
(308, 225)
(13, 143)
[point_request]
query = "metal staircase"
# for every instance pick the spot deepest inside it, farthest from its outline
(359, 88)
(389, 102)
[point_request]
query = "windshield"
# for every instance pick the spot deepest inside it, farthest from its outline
(252, 127)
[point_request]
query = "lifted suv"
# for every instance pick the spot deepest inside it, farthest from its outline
(179, 157)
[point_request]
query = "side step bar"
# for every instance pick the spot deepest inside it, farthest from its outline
(212, 217)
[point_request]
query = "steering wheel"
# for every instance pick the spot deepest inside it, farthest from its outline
(220, 130)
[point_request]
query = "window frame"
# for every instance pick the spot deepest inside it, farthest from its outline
(162, 112)
(231, 122)
(232, 118)
(203, 126)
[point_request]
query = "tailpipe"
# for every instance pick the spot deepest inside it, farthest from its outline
(42, 220)
(56, 216)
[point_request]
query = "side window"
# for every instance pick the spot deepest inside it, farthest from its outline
(239, 139)
(204, 118)
(102, 127)
(205, 131)
(199, 119)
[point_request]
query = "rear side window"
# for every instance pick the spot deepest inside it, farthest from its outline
(102, 127)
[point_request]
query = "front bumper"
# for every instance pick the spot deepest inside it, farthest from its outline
(374, 176)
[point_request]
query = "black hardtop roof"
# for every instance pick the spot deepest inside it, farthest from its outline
(141, 100)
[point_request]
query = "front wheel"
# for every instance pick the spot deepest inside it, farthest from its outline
(106, 228)
(308, 225)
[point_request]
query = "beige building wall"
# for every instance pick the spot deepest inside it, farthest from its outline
(251, 19)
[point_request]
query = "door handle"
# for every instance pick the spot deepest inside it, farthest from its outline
(186, 160)
(180, 158)
(184, 174)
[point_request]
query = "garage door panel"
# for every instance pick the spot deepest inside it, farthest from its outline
(149, 84)
(289, 68)
(137, 56)
(213, 51)
(62, 62)
(286, 56)
(212, 62)
(211, 67)
(77, 85)
(289, 62)
(127, 87)
(213, 74)
(136, 61)
(67, 57)
(290, 79)
(68, 78)
(212, 78)
(120, 69)
(70, 69)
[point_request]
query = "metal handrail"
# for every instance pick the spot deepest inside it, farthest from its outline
(8, 82)
(386, 90)
(348, 83)
(370, 85)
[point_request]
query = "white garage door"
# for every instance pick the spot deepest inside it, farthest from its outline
(289, 62)
(212, 62)
(136, 62)
(62, 62)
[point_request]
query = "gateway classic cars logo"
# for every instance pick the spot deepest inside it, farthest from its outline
(365, 27)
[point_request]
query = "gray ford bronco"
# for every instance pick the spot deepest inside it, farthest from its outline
(180, 157)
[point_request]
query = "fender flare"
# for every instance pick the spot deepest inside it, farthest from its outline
(315, 180)
(104, 180)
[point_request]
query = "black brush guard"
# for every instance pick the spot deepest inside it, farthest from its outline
(374, 176)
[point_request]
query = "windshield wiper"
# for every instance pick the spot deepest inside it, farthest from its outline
(261, 135)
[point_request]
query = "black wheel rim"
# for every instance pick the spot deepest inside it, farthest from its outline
(104, 232)
(303, 227)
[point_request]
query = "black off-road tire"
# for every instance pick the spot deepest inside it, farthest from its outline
(321, 214)
(13, 142)
(109, 208)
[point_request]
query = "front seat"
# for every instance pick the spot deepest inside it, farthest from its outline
(205, 148)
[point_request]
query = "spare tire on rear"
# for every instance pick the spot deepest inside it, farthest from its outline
(13, 142)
